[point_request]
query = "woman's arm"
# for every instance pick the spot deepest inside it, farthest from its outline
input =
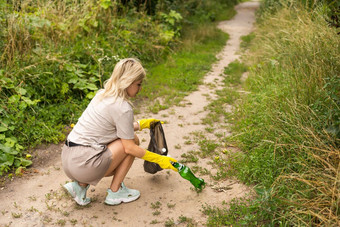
(163, 161)
(135, 126)
(132, 149)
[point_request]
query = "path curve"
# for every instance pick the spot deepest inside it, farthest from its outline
(40, 201)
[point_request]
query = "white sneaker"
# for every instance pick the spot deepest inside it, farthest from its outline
(78, 192)
(123, 194)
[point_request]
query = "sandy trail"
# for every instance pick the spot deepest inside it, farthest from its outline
(38, 199)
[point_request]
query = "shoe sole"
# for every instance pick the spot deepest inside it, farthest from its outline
(119, 201)
(80, 202)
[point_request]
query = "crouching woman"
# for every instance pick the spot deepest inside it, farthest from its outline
(103, 142)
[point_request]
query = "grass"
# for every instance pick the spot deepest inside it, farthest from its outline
(188, 221)
(156, 213)
(290, 151)
(286, 124)
(16, 215)
(154, 222)
(201, 171)
(169, 222)
(156, 205)
(234, 72)
(246, 40)
(207, 147)
(171, 205)
(181, 73)
(189, 157)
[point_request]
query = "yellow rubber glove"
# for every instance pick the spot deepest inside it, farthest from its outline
(163, 161)
(145, 123)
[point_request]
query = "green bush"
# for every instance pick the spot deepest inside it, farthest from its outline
(56, 54)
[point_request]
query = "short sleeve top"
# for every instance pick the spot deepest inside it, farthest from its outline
(104, 121)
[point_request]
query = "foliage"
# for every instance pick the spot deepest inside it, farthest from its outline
(199, 11)
(288, 124)
(56, 54)
(10, 158)
(245, 211)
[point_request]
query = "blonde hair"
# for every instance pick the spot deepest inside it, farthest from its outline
(126, 72)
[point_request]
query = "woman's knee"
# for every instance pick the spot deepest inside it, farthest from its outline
(116, 147)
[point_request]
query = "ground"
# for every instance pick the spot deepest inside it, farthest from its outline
(37, 199)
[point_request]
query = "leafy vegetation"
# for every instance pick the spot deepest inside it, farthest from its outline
(56, 54)
(287, 122)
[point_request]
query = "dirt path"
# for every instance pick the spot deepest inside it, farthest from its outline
(38, 199)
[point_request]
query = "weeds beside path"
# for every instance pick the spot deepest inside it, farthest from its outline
(166, 199)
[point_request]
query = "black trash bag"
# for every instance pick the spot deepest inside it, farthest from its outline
(157, 145)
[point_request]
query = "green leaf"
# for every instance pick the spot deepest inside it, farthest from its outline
(81, 85)
(3, 128)
(7, 83)
(22, 105)
(18, 147)
(64, 88)
(14, 99)
(6, 159)
(79, 73)
(29, 101)
(90, 95)
(94, 23)
(26, 162)
(22, 91)
(105, 4)
(22, 162)
(92, 87)
(10, 142)
(19, 171)
(73, 80)
(7, 150)
(17, 162)
(69, 67)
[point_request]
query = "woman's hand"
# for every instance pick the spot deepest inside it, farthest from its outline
(163, 161)
(145, 123)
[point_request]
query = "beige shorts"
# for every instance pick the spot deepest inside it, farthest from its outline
(85, 164)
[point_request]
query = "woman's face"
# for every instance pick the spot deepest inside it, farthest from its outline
(134, 88)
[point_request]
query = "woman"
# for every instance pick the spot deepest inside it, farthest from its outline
(103, 142)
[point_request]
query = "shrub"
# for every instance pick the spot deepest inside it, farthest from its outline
(56, 54)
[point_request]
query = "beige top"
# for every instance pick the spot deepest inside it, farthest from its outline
(103, 122)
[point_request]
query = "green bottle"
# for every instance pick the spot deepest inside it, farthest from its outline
(186, 173)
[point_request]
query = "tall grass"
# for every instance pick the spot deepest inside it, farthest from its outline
(288, 125)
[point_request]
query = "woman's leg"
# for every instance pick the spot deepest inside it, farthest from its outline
(120, 164)
(120, 173)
